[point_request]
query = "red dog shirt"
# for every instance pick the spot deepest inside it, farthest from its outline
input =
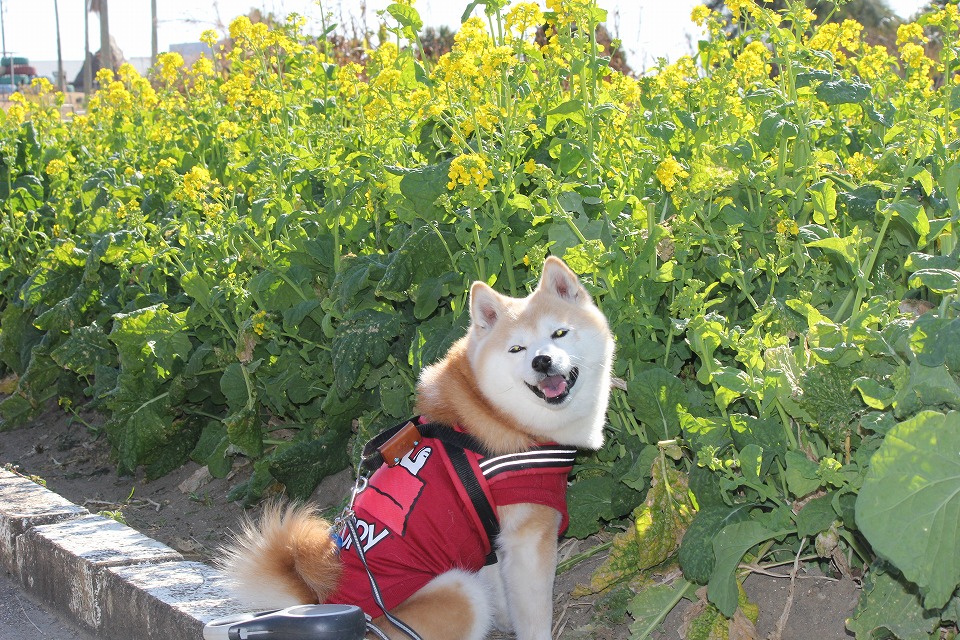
(416, 521)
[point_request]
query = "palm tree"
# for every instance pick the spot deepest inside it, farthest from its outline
(87, 61)
(106, 49)
(153, 32)
(61, 79)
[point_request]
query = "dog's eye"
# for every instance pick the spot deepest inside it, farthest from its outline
(516, 349)
(559, 333)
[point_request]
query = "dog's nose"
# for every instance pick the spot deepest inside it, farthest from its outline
(541, 363)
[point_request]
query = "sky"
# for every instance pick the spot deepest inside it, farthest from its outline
(649, 29)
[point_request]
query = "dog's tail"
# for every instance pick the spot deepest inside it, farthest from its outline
(285, 559)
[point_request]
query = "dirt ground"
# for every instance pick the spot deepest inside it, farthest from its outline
(189, 511)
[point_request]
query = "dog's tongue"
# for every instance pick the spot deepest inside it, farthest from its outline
(553, 386)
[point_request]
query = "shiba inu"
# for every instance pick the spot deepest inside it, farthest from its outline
(529, 382)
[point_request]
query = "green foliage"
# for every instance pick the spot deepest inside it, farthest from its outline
(256, 257)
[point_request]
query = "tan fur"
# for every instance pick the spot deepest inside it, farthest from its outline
(290, 552)
(447, 394)
(290, 548)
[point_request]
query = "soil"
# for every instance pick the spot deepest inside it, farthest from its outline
(189, 511)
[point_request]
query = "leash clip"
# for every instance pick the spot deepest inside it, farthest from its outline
(358, 488)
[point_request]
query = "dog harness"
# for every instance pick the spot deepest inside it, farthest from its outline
(433, 508)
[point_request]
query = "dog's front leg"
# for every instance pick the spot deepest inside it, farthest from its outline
(527, 548)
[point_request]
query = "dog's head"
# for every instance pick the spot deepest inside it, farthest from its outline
(545, 359)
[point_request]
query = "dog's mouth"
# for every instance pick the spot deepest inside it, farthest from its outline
(555, 389)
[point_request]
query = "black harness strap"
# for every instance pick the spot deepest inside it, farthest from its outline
(456, 443)
(488, 518)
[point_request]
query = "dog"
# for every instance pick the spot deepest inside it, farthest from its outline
(530, 381)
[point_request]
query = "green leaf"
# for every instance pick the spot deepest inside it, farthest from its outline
(422, 255)
(890, 607)
(914, 215)
(588, 502)
(233, 384)
(84, 350)
(766, 433)
(912, 493)
(816, 516)
(841, 91)
(363, 338)
(570, 110)
(243, 429)
(729, 547)
(655, 395)
(874, 394)
(152, 335)
(652, 605)
(773, 126)
(696, 555)
(926, 387)
(136, 437)
(844, 248)
(802, 476)
(422, 186)
(302, 466)
(406, 15)
(937, 280)
(196, 287)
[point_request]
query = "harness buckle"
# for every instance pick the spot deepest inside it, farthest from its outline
(402, 443)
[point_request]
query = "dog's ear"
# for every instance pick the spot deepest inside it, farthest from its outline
(485, 306)
(559, 280)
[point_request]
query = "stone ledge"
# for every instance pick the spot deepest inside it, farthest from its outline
(104, 575)
(167, 600)
(25, 504)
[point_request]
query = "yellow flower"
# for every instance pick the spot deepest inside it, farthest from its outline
(752, 62)
(240, 27)
(55, 167)
(736, 6)
(700, 14)
(210, 37)
(788, 227)
(228, 129)
(908, 32)
(529, 166)
(912, 54)
(859, 165)
(195, 181)
(669, 171)
(946, 17)
(467, 169)
(169, 65)
(523, 16)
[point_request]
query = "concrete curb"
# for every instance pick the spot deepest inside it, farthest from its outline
(105, 576)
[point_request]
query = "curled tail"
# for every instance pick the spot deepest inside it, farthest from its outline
(286, 558)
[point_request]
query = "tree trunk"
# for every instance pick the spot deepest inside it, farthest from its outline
(61, 78)
(106, 50)
(153, 32)
(87, 70)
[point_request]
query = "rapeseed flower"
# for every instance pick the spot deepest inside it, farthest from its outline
(669, 171)
(56, 167)
(469, 169)
(752, 62)
(169, 65)
(523, 16)
(738, 6)
(700, 14)
(195, 182)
